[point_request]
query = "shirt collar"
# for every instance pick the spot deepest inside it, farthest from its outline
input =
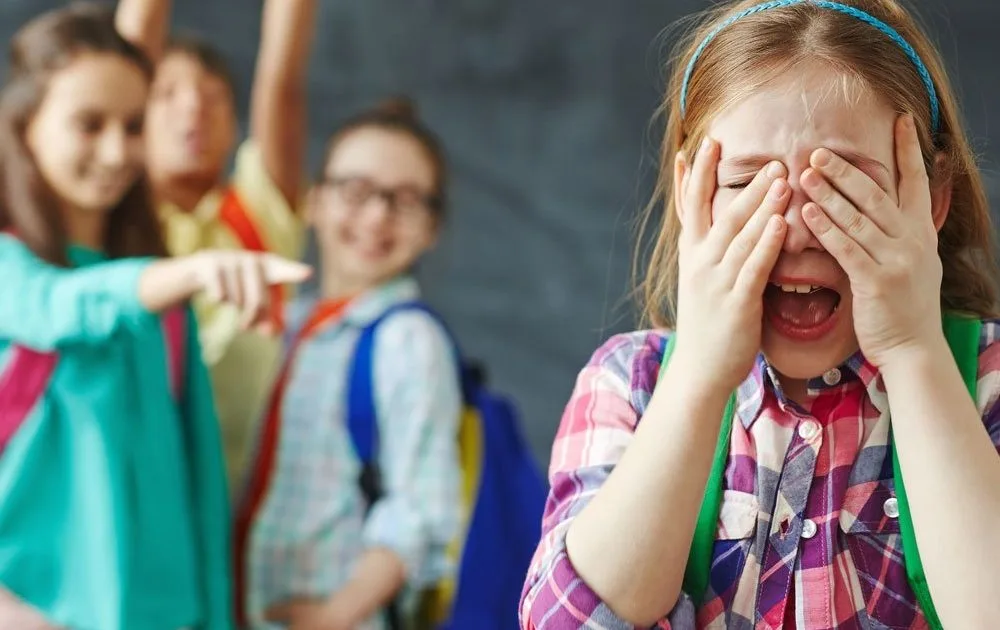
(364, 309)
(763, 381)
(204, 212)
(80, 256)
(370, 305)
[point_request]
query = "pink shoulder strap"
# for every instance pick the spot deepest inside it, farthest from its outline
(21, 385)
(27, 375)
(175, 333)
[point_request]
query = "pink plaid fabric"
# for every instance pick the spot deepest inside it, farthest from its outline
(808, 514)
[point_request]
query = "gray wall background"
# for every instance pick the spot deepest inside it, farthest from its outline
(545, 110)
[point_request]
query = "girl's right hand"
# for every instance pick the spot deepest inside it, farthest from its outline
(243, 279)
(724, 268)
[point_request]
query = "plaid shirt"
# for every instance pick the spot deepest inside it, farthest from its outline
(312, 527)
(813, 513)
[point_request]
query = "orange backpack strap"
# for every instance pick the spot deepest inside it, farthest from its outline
(233, 213)
(258, 483)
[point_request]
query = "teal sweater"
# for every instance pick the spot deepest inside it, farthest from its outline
(113, 507)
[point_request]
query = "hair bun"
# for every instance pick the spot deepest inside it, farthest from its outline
(398, 107)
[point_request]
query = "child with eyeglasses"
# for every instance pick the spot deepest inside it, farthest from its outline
(322, 540)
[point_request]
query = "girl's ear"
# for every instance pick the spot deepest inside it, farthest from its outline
(940, 194)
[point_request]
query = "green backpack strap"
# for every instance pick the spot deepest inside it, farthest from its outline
(963, 335)
(963, 338)
(699, 562)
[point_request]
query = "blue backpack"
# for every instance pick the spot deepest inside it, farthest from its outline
(503, 496)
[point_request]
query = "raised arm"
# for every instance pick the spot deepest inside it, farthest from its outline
(278, 99)
(145, 23)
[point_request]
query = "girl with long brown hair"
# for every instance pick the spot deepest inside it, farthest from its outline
(113, 500)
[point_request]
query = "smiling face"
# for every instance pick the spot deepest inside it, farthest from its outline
(808, 327)
(86, 136)
(374, 212)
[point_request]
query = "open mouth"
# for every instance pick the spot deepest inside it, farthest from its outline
(801, 311)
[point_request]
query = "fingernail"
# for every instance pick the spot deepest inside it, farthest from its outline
(822, 157)
(706, 143)
(811, 178)
(908, 122)
(775, 169)
(778, 189)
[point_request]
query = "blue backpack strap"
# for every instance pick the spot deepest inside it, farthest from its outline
(361, 416)
(362, 422)
(361, 397)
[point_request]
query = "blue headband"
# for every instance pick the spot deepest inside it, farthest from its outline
(834, 6)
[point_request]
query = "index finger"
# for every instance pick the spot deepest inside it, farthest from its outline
(843, 182)
(762, 189)
(278, 270)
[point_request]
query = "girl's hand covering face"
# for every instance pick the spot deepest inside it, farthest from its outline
(887, 245)
(724, 266)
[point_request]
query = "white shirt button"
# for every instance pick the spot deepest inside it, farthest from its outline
(832, 377)
(808, 529)
(808, 429)
(891, 507)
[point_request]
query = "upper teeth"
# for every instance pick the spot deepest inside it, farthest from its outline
(798, 288)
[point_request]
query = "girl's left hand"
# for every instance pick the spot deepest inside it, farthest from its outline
(887, 247)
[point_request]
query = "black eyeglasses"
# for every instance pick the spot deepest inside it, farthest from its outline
(406, 199)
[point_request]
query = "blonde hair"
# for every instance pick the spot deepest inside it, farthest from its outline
(750, 52)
